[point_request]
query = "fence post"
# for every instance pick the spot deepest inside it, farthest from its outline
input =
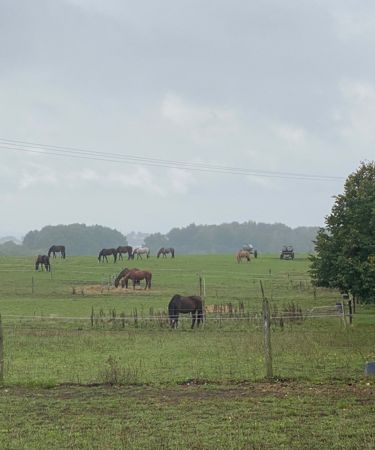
(1, 352)
(350, 312)
(201, 293)
(32, 285)
(267, 334)
(343, 314)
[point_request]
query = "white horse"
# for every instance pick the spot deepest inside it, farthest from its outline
(139, 251)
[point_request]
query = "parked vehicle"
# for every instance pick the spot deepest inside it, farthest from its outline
(249, 248)
(287, 252)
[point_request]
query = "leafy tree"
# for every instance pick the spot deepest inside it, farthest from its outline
(79, 239)
(155, 241)
(345, 249)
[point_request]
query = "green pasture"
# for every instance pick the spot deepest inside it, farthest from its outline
(73, 326)
(285, 415)
(89, 366)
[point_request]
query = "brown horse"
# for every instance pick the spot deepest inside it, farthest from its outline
(43, 260)
(243, 254)
(121, 276)
(185, 305)
(165, 251)
(126, 249)
(136, 276)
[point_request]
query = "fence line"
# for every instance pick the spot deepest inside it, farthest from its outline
(150, 318)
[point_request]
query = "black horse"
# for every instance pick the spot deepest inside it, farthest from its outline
(165, 251)
(57, 249)
(185, 305)
(126, 249)
(43, 260)
(106, 252)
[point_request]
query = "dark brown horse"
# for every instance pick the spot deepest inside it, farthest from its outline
(126, 249)
(43, 260)
(106, 252)
(165, 251)
(185, 305)
(136, 276)
(57, 249)
(243, 254)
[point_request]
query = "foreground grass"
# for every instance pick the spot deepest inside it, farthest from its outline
(245, 416)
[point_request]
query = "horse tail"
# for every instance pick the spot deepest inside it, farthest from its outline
(149, 280)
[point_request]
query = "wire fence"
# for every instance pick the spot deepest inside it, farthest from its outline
(142, 348)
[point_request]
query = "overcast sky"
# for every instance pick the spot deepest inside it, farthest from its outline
(283, 87)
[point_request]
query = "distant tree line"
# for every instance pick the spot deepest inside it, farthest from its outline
(229, 237)
(80, 239)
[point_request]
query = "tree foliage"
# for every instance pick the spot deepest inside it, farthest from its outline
(345, 248)
(229, 237)
(79, 239)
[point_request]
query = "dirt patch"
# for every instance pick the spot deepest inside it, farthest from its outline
(363, 392)
(98, 289)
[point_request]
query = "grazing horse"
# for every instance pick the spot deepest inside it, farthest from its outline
(106, 252)
(165, 250)
(185, 305)
(43, 260)
(57, 249)
(137, 275)
(121, 276)
(126, 249)
(139, 251)
(243, 254)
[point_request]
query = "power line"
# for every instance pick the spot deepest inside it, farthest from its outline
(76, 152)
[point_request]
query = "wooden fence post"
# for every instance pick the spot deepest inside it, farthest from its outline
(267, 334)
(32, 285)
(343, 314)
(202, 293)
(1, 352)
(350, 312)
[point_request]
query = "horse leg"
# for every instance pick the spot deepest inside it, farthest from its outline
(194, 316)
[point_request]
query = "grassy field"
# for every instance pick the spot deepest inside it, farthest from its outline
(78, 351)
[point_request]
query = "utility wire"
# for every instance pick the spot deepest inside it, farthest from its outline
(75, 152)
